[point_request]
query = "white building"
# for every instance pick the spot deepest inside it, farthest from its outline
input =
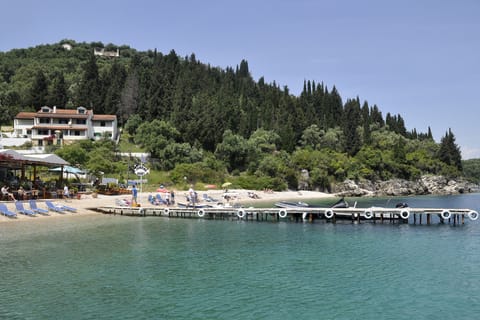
(104, 53)
(63, 126)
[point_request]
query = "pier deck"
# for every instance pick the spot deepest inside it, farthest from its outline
(372, 214)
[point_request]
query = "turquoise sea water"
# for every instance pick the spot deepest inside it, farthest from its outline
(115, 267)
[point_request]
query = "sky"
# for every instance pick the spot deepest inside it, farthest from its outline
(416, 58)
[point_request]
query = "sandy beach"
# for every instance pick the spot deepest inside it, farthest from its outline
(87, 202)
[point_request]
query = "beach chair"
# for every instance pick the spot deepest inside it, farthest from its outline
(33, 206)
(65, 207)
(122, 202)
(4, 210)
(21, 209)
(207, 198)
(53, 207)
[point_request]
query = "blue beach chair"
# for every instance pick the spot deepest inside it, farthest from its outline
(68, 208)
(33, 206)
(21, 209)
(54, 207)
(4, 210)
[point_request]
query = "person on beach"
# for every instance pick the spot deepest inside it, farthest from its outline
(6, 194)
(21, 193)
(134, 195)
(66, 193)
(167, 198)
(192, 195)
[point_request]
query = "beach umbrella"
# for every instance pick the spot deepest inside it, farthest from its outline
(162, 190)
(68, 170)
(226, 184)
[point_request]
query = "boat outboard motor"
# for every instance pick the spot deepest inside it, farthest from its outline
(401, 205)
(340, 204)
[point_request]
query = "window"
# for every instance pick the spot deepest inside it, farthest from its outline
(81, 121)
(45, 109)
(63, 121)
(102, 123)
(42, 132)
(44, 120)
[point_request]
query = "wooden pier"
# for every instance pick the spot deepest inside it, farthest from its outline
(372, 214)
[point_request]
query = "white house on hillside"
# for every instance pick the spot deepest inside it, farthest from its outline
(63, 126)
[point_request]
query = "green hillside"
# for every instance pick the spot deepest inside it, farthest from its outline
(209, 123)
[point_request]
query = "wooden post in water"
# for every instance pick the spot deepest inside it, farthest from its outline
(414, 218)
(428, 218)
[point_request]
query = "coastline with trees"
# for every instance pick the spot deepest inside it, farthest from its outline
(212, 124)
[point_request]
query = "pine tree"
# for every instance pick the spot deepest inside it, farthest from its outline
(449, 151)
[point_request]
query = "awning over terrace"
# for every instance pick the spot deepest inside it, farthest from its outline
(14, 160)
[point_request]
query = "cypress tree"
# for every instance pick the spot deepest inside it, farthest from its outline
(39, 91)
(429, 134)
(58, 94)
(351, 121)
(88, 94)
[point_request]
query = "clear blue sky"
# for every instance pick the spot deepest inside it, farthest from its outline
(417, 58)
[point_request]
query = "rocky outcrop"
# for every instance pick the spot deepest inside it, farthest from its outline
(427, 184)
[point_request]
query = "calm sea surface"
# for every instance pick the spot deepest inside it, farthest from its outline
(114, 267)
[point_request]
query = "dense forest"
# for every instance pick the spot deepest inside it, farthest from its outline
(208, 123)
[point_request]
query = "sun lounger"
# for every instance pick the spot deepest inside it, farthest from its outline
(21, 209)
(33, 206)
(207, 198)
(53, 207)
(4, 210)
(68, 208)
(122, 202)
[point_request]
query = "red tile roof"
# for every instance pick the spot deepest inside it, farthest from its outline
(104, 117)
(26, 115)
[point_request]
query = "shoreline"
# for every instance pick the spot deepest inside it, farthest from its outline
(87, 202)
